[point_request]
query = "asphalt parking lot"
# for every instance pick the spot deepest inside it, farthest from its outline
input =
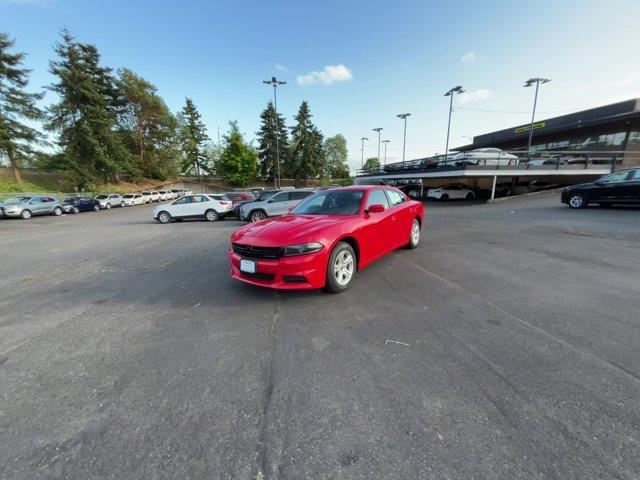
(504, 347)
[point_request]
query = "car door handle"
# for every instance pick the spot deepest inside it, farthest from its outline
(393, 217)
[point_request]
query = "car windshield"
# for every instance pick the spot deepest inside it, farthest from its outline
(71, 199)
(17, 200)
(333, 202)
(266, 195)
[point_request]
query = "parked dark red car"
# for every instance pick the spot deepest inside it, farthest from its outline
(323, 241)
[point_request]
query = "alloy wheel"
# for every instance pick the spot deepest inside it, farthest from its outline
(415, 232)
(257, 216)
(576, 201)
(343, 267)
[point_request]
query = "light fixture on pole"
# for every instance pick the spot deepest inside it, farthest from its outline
(404, 116)
(362, 151)
(378, 129)
(275, 82)
(450, 93)
(386, 142)
(529, 83)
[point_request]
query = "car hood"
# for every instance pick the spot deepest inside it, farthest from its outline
(12, 204)
(580, 185)
(288, 229)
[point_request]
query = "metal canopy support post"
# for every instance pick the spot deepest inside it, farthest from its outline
(493, 187)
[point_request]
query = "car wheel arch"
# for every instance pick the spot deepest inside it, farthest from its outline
(353, 243)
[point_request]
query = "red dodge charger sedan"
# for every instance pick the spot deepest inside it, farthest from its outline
(323, 241)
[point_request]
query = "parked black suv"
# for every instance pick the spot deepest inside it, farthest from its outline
(621, 188)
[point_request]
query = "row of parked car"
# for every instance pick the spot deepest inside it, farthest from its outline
(248, 206)
(27, 206)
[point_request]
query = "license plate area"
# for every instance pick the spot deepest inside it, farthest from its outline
(248, 266)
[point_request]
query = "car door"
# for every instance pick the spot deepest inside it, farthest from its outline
(202, 204)
(377, 236)
(277, 205)
(182, 208)
(401, 225)
(37, 206)
(630, 188)
(610, 188)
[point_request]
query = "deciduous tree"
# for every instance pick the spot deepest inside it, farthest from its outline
(238, 161)
(335, 149)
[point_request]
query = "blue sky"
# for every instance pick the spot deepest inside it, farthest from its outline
(387, 58)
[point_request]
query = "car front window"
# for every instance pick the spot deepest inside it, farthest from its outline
(336, 202)
(615, 177)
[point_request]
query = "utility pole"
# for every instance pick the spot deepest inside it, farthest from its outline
(378, 129)
(275, 82)
(386, 142)
(450, 93)
(404, 141)
(534, 81)
(362, 151)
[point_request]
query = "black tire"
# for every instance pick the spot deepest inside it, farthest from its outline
(96, 208)
(444, 197)
(414, 240)
(25, 214)
(577, 200)
(76, 210)
(257, 215)
(211, 215)
(333, 284)
(470, 196)
(108, 206)
(57, 211)
(164, 217)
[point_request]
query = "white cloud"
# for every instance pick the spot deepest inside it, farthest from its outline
(474, 95)
(282, 68)
(469, 57)
(629, 79)
(330, 74)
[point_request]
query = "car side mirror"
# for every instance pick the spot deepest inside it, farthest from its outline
(269, 201)
(376, 208)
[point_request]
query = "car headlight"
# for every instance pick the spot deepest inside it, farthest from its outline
(302, 249)
(10, 209)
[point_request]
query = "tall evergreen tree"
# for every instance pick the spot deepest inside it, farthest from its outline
(335, 149)
(307, 158)
(193, 138)
(148, 127)
(85, 114)
(270, 129)
(238, 161)
(16, 106)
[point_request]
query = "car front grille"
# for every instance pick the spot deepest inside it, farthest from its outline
(268, 277)
(250, 251)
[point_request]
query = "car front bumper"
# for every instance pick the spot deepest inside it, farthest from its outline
(298, 272)
(11, 214)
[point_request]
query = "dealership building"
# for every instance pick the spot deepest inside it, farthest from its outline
(611, 128)
(580, 147)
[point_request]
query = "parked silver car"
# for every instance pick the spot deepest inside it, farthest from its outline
(109, 200)
(278, 204)
(25, 206)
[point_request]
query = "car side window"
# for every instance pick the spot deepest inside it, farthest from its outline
(182, 201)
(615, 177)
(36, 200)
(298, 195)
(280, 197)
(395, 198)
(201, 198)
(377, 197)
(635, 175)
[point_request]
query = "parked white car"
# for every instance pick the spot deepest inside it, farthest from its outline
(109, 200)
(155, 196)
(450, 192)
(486, 156)
(131, 199)
(210, 207)
(164, 195)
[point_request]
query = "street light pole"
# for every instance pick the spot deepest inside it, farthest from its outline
(362, 151)
(275, 82)
(404, 140)
(386, 142)
(378, 129)
(450, 93)
(537, 81)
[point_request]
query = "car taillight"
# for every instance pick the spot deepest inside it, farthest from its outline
(224, 202)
